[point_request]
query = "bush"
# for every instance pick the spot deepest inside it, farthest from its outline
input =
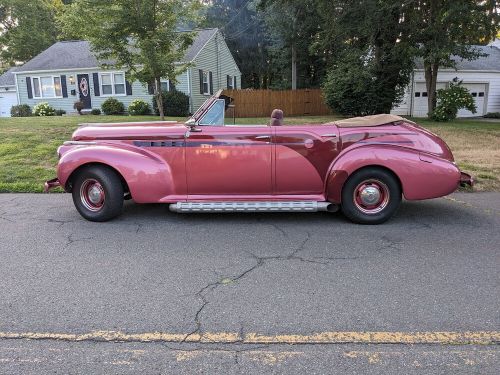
(78, 105)
(22, 110)
(96, 111)
(139, 107)
(43, 109)
(492, 115)
(175, 103)
(450, 100)
(112, 106)
(60, 112)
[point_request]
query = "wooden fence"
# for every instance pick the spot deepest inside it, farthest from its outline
(260, 103)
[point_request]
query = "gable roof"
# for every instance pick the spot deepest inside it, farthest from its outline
(7, 79)
(77, 54)
(490, 62)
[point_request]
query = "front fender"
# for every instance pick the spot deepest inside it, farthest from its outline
(422, 176)
(148, 177)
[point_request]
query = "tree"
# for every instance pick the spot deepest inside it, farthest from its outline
(441, 29)
(140, 36)
(364, 40)
(27, 28)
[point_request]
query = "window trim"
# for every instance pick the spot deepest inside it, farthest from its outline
(112, 75)
(39, 78)
(206, 74)
(167, 81)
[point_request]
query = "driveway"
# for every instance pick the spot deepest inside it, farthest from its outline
(158, 292)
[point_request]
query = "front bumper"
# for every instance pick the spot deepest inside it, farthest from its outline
(51, 184)
(466, 180)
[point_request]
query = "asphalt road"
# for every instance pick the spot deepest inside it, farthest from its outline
(157, 292)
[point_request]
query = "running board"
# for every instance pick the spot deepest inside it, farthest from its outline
(242, 206)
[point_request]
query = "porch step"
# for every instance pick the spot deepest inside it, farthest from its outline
(265, 206)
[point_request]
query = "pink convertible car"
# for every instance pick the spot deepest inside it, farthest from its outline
(362, 165)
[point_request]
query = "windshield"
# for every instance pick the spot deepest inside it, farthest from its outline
(215, 115)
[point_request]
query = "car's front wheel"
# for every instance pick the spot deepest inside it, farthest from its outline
(98, 193)
(371, 196)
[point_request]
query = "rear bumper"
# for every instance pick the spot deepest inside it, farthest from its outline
(51, 184)
(466, 179)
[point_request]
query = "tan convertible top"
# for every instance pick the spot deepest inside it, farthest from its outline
(374, 120)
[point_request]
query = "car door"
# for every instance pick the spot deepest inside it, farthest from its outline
(227, 160)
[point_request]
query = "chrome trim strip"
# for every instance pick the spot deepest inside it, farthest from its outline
(79, 143)
(248, 206)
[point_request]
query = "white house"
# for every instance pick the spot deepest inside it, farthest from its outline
(481, 77)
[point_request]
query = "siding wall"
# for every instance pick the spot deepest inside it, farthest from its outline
(216, 58)
(139, 91)
(492, 96)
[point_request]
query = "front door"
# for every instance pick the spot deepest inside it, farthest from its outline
(228, 161)
(84, 90)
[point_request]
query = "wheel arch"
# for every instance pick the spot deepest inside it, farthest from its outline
(69, 182)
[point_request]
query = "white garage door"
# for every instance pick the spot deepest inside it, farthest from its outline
(7, 100)
(478, 92)
(420, 97)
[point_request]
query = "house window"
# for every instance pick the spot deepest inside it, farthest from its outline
(417, 94)
(474, 94)
(206, 86)
(165, 85)
(481, 94)
(424, 94)
(230, 84)
(47, 87)
(112, 84)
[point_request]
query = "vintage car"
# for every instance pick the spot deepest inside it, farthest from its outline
(362, 165)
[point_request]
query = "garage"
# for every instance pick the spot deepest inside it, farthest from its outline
(7, 100)
(420, 97)
(8, 94)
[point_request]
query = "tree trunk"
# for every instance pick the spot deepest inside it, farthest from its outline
(431, 71)
(294, 67)
(159, 98)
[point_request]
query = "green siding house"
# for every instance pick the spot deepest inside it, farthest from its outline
(68, 71)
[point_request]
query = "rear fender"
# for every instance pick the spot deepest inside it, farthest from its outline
(148, 177)
(421, 176)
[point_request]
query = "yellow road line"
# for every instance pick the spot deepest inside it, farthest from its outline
(458, 338)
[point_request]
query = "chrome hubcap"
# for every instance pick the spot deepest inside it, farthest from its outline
(371, 196)
(92, 195)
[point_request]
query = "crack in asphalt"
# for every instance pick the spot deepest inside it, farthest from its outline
(70, 240)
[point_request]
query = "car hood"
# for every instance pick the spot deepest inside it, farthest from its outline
(128, 130)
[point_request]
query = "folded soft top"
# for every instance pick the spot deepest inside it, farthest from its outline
(374, 120)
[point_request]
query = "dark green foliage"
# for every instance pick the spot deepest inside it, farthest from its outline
(139, 107)
(112, 106)
(492, 115)
(175, 103)
(95, 111)
(60, 112)
(22, 110)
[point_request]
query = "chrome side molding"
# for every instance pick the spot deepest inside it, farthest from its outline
(81, 143)
(241, 206)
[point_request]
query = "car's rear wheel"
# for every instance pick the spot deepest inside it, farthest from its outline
(371, 196)
(98, 193)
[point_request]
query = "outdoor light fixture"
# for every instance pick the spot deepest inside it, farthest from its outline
(71, 80)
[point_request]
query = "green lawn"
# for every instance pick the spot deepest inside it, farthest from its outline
(28, 146)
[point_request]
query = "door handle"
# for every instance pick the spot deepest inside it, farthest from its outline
(333, 135)
(263, 137)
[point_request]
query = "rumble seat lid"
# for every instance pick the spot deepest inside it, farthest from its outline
(374, 120)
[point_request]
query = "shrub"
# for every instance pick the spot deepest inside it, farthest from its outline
(450, 100)
(43, 109)
(22, 110)
(175, 103)
(139, 107)
(60, 112)
(96, 111)
(78, 105)
(492, 115)
(112, 106)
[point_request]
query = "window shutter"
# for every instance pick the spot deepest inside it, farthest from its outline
(235, 83)
(64, 87)
(211, 83)
(171, 85)
(128, 87)
(151, 88)
(95, 77)
(201, 82)
(28, 87)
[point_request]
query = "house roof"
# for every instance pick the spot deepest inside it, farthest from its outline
(489, 62)
(77, 54)
(7, 79)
